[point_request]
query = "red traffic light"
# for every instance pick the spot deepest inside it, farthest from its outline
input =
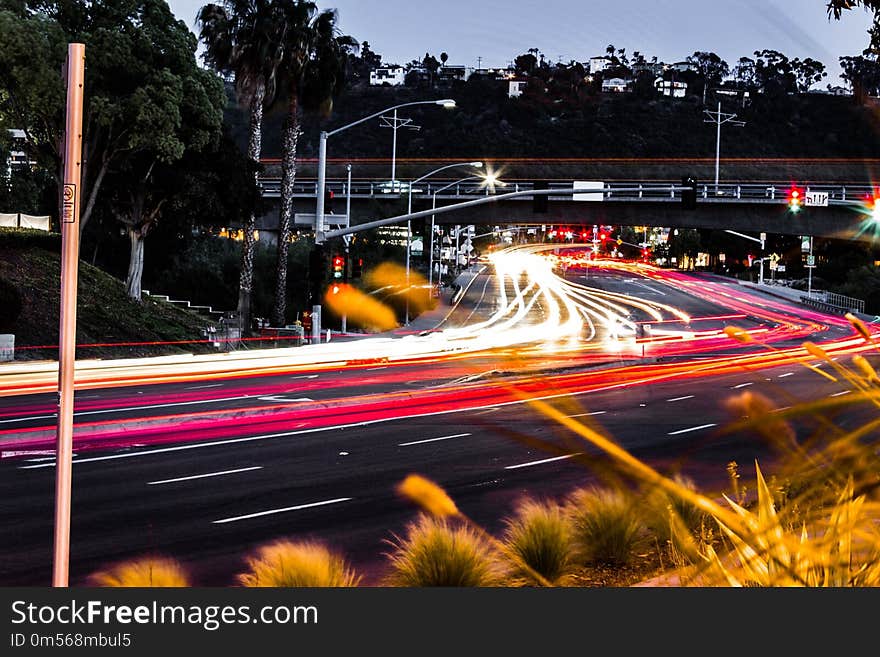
(602, 236)
(795, 199)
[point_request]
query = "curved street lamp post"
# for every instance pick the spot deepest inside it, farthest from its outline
(322, 174)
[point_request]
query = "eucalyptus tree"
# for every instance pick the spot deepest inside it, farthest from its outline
(146, 100)
(243, 39)
(312, 74)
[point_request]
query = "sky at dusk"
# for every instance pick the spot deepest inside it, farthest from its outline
(493, 32)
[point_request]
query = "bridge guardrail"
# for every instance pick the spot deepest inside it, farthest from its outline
(616, 191)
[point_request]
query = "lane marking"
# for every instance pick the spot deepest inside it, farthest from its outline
(373, 369)
(838, 394)
(212, 385)
(279, 398)
(782, 376)
(289, 508)
(433, 440)
(132, 408)
(702, 426)
(542, 461)
(202, 476)
(586, 414)
(675, 399)
(304, 376)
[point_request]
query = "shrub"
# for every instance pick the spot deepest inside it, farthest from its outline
(290, 564)
(436, 552)
(606, 526)
(539, 534)
(10, 302)
(672, 519)
(150, 571)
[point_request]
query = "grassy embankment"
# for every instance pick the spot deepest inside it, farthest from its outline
(30, 296)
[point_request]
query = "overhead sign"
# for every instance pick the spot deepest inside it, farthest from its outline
(308, 219)
(591, 185)
(816, 198)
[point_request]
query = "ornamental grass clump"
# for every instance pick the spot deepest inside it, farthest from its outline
(149, 571)
(539, 533)
(606, 525)
(440, 551)
(298, 564)
(674, 522)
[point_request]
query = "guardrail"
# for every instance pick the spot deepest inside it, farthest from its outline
(616, 191)
(833, 303)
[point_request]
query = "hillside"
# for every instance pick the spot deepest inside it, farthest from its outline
(30, 266)
(820, 136)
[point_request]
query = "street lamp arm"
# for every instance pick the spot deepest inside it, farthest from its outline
(448, 166)
(446, 102)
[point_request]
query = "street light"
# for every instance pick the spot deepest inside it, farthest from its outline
(719, 118)
(488, 180)
(477, 165)
(322, 173)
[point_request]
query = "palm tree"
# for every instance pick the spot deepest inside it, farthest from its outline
(242, 38)
(312, 73)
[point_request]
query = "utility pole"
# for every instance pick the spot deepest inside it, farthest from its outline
(74, 74)
(718, 117)
(395, 124)
(347, 240)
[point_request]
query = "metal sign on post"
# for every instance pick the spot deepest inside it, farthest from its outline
(819, 199)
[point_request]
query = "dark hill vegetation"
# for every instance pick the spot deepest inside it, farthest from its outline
(30, 266)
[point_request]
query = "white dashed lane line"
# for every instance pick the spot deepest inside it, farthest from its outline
(433, 440)
(298, 507)
(542, 461)
(203, 476)
(838, 394)
(742, 385)
(212, 385)
(587, 414)
(689, 429)
(675, 399)
(782, 376)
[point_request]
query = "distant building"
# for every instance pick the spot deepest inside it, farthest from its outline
(682, 66)
(388, 75)
(17, 155)
(450, 74)
(515, 87)
(615, 85)
(598, 64)
(671, 88)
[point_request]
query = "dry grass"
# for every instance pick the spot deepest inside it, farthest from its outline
(150, 571)
(442, 552)
(540, 534)
(297, 564)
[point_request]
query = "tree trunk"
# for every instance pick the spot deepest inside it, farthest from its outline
(246, 275)
(135, 264)
(285, 219)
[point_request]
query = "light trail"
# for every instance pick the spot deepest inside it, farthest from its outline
(581, 323)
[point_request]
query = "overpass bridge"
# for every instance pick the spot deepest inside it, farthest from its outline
(845, 212)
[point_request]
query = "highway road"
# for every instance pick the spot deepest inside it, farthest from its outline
(207, 468)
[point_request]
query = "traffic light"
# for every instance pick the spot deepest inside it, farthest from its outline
(795, 200)
(328, 201)
(317, 268)
(689, 193)
(357, 267)
(338, 267)
(540, 202)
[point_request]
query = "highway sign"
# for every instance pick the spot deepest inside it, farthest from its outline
(816, 198)
(588, 184)
(811, 261)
